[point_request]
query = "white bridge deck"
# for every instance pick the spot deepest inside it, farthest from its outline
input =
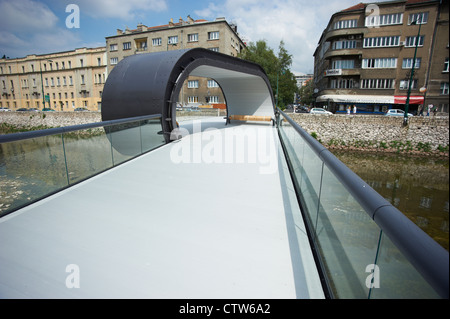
(187, 220)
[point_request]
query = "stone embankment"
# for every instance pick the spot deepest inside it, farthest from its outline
(375, 133)
(378, 133)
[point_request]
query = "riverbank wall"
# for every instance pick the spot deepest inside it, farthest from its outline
(378, 133)
(374, 133)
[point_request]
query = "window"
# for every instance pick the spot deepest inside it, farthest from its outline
(407, 63)
(420, 18)
(214, 49)
(213, 35)
(156, 42)
(377, 83)
(404, 84)
(382, 42)
(345, 24)
(114, 61)
(445, 65)
(343, 64)
(173, 40)
(192, 99)
(70, 80)
(214, 99)
(82, 79)
(112, 47)
(444, 88)
(52, 81)
(127, 46)
(411, 41)
(64, 81)
(212, 84)
(81, 63)
(193, 37)
(384, 19)
(380, 63)
(193, 84)
(342, 83)
(347, 44)
(58, 81)
(46, 81)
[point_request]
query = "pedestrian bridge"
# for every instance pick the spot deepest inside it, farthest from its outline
(210, 209)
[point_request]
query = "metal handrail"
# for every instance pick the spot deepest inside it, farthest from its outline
(67, 129)
(429, 258)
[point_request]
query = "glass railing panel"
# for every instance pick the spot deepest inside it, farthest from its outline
(397, 277)
(88, 152)
(125, 140)
(30, 169)
(348, 239)
(151, 134)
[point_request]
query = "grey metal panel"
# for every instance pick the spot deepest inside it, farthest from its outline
(150, 83)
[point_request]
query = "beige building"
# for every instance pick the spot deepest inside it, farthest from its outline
(365, 56)
(64, 81)
(215, 35)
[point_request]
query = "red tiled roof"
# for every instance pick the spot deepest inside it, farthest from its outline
(361, 5)
(167, 25)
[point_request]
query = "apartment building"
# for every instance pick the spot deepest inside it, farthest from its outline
(365, 57)
(62, 81)
(215, 35)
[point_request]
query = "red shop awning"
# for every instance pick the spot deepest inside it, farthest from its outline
(412, 100)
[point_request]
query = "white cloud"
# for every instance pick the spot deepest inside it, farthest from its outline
(121, 9)
(30, 27)
(299, 23)
(25, 15)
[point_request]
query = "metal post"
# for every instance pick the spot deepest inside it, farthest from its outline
(405, 119)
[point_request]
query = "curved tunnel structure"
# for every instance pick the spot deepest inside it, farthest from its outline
(146, 84)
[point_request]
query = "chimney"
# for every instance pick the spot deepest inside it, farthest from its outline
(190, 20)
(181, 21)
(171, 23)
(119, 32)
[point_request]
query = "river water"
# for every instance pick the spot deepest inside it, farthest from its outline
(417, 186)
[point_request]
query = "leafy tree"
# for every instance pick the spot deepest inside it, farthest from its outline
(277, 69)
(306, 93)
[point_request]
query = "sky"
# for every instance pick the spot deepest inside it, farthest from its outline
(47, 26)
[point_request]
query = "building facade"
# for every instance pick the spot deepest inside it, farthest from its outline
(365, 57)
(62, 81)
(215, 35)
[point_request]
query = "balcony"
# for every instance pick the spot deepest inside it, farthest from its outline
(344, 32)
(342, 52)
(342, 72)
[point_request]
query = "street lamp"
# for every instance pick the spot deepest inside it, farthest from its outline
(405, 119)
(42, 83)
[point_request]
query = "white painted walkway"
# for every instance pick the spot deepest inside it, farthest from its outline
(168, 224)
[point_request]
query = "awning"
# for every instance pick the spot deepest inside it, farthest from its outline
(377, 99)
(412, 99)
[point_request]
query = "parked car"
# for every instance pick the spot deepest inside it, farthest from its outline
(396, 112)
(22, 110)
(318, 110)
(48, 110)
(33, 109)
(81, 109)
(302, 109)
(4, 109)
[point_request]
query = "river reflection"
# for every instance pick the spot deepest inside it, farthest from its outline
(417, 186)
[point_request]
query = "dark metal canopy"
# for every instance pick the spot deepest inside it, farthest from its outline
(146, 84)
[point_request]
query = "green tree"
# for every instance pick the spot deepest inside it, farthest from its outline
(306, 93)
(277, 69)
